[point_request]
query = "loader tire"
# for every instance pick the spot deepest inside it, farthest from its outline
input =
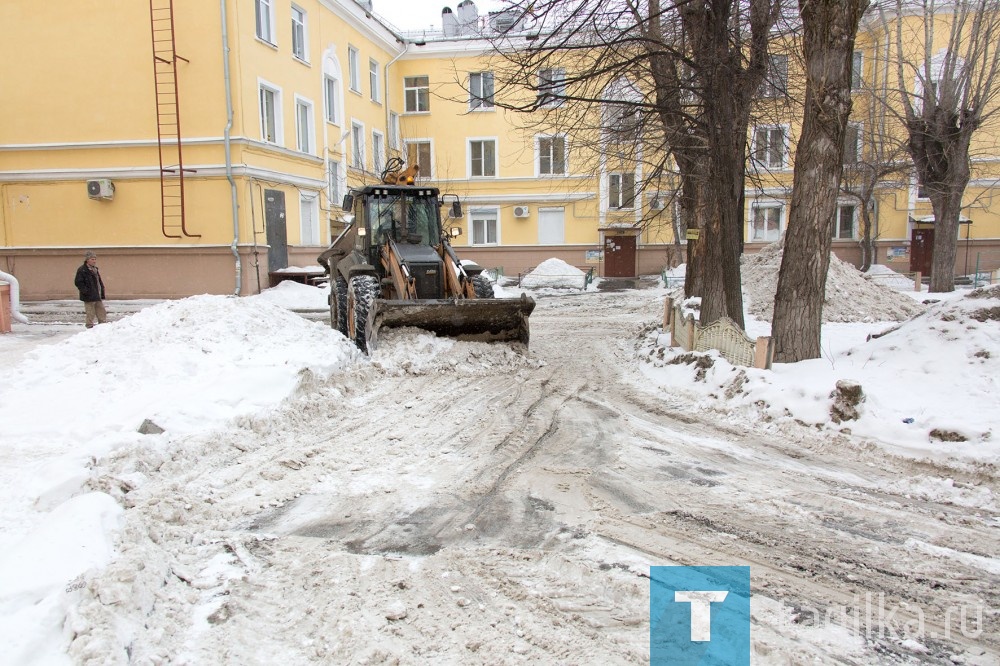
(338, 305)
(482, 285)
(363, 291)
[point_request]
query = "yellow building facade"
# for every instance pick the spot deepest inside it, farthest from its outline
(205, 148)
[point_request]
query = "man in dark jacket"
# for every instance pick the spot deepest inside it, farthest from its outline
(88, 281)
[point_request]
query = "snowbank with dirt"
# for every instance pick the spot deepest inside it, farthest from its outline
(849, 296)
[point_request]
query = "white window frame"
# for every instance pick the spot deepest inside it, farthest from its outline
(768, 161)
(854, 220)
(264, 21)
(775, 83)
(857, 128)
(374, 80)
(279, 129)
(486, 215)
(539, 172)
(357, 144)
(426, 171)
(407, 88)
(309, 210)
(300, 34)
(378, 152)
(478, 100)
(857, 70)
(331, 93)
(551, 84)
(469, 159)
(305, 136)
(354, 69)
(394, 130)
(767, 237)
(620, 204)
(334, 183)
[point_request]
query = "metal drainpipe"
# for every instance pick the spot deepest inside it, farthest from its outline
(228, 148)
(388, 112)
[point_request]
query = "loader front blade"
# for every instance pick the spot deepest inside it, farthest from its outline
(480, 319)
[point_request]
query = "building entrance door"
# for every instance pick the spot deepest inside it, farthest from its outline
(619, 256)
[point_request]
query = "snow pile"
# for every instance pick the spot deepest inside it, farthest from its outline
(925, 381)
(414, 351)
(296, 296)
(887, 277)
(849, 296)
(178, 363)
(554, 273)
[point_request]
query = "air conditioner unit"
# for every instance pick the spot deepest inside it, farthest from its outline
(657, 204)
(521, 211)
(100, 189)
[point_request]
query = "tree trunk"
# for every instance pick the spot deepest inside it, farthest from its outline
(867, 242)
(829, 27)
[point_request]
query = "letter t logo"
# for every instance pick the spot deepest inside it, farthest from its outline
(701, 611)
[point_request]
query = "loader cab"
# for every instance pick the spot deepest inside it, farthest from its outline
(407, 215)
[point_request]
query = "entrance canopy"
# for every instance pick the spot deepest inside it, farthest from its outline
(929, 219)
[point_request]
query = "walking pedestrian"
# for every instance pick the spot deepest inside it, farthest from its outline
(88, 281)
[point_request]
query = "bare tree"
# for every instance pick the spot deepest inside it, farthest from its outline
(828, 31)
(665, 85)
(875, 157)
(947, 66)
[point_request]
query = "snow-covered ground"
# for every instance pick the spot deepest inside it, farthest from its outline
(456, 502)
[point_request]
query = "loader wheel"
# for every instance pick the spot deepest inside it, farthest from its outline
(483, 286)
(361, 296)
(338, 305)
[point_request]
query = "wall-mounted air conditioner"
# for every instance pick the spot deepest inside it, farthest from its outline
(521, 211)
(101, 188)
(657, 204)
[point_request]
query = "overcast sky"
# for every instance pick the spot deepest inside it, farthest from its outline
(416, 14)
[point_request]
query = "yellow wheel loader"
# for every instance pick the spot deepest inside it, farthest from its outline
(394, 266)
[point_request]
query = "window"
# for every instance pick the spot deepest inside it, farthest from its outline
(621, 122)
(485, 230)
(330, 92)
(766, 223)
(551, 226)
(304, 132)
(357, 145)
(857, 69)
(394, 130)
(843, 225)
(551, 86)
(775, 83)
(852, 143)
(299, 47)
(769, 147)
(551, 155)
(373, 80)
(419, 153)
(483, 158)
(270, 118)
(378, 152)
(265, 20)
(333, 183)
(621, 190)
(354, 68)
(416, 94)
(309, 218)
(481, 90)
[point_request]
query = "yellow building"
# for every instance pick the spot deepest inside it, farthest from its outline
(200, 147)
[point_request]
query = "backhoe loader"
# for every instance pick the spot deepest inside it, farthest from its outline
(394, 266)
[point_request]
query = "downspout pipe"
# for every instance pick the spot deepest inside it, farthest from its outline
(385, 81)
(15, 297)
(228, 148)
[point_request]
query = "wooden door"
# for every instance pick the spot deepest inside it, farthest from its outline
(619, 256)
(922, 251)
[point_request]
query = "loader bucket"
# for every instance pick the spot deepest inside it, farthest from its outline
(479, 319)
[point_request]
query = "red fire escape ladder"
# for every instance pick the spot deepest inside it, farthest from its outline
(168, 120)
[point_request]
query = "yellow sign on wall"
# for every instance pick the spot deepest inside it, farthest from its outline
(693, 234)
